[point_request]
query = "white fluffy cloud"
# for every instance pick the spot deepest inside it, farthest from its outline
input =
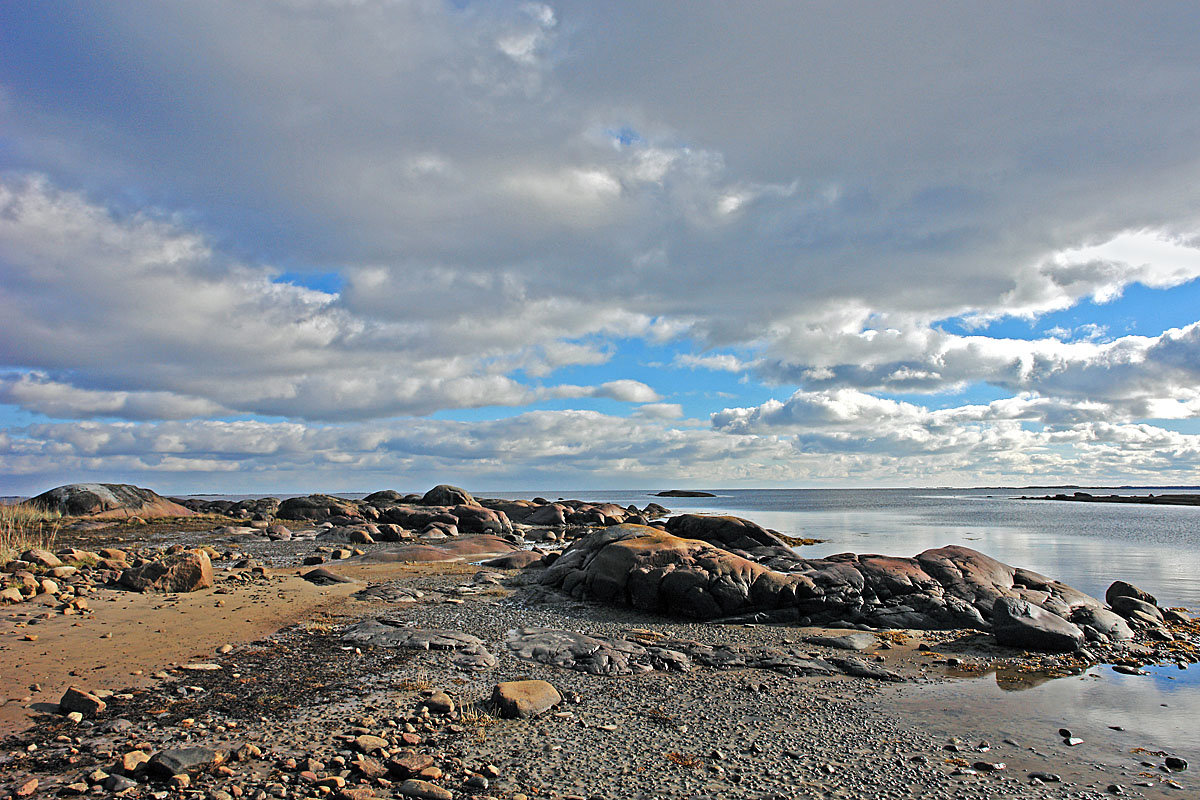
(799, 195)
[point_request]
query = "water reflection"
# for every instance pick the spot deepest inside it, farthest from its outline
(1157, 711)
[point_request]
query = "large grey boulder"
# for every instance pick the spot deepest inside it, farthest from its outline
(1019, 623)
(1103, 621)
(446, 495)
(316, 507)
(108, 501)
(1123, 589)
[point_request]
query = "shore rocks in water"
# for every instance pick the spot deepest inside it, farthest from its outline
(1120, 589)
(108, 501)
(684, 493)
(1019, 623)
(650, 569)
(185, 571)
(1102, 621)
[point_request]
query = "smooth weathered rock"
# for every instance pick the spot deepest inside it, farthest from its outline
(316, 507)
(849, 641)
(439, 703)
(1123, 589)
(446, 495)
(524, 699)
(424, 790)
(108, 501)
(43, 558)
(519, 559)
(554, 515)
(1019, 623)
(1127, 606)
(325, 577)
(81, 701)
(368, 744)
(409, 764)
(181, 761)
(727, 533)
(451, 550)
(185, 571)
(1103, 621)
(651, 569)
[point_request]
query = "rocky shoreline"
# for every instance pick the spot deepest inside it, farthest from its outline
(1137, 499)
(405, 665)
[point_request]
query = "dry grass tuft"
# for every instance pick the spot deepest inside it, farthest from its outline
(25, 527)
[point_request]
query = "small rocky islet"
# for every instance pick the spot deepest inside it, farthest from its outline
(537, 648)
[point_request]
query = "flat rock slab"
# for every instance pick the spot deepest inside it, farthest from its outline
(324, 577)
(469, 652)
(640, 654)
(391, 592)
(516, 560)
(849, 641)
(451, 550)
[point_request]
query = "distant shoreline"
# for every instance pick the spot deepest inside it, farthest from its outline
(1146, 500)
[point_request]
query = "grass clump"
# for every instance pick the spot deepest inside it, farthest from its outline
(26, 527)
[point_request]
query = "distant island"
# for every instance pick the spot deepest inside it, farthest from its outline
(1148, 500)
(684, 493)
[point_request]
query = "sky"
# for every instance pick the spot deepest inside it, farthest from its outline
(343, 245)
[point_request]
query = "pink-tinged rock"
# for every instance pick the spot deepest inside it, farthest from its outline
(186, 571)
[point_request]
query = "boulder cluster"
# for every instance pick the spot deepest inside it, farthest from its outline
(443, 512)
(724, 567)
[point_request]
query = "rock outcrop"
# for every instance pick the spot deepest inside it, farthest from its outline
(447, 495)
(729, 533)
(316, 507)
(949, 587)
(108, 501)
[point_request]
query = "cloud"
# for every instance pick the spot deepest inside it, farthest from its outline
(565, 449)
(659, 411)
(625, 391)
(505, 190)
